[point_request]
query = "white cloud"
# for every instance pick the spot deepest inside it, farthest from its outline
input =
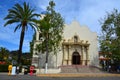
(26, 45)
(87, 12)
(8, 35)
(41, 4)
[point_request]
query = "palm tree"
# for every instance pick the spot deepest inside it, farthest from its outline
(24, 16)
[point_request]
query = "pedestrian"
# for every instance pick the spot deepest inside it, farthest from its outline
(109, 68)
(17, 70)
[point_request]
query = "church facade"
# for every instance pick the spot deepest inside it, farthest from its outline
(78, 47)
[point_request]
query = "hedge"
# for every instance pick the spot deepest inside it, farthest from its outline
(4, 68)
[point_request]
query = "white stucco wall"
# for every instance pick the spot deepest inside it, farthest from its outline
(85, 34)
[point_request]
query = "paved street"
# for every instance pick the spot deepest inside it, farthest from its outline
(27, 77)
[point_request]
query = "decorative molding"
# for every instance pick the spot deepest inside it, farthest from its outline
(78, 42)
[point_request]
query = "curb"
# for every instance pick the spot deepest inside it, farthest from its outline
(79, 75)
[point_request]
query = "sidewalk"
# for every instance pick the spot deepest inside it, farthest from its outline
(6, 73)
(73, 75)
(79, 75)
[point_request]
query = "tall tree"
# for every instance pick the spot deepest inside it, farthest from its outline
(24, 16)
(51, 27)
(110, 38)
(4, 53)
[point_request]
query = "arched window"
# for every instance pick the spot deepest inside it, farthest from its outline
(75, 39)
(40, 35)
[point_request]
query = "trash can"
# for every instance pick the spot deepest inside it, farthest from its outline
(13, 70)
(31, 70)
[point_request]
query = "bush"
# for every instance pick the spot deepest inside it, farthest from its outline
(4, 68)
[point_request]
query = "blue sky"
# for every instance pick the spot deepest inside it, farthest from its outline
(86, 12)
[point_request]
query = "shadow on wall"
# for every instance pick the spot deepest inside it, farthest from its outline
(51, 61)
(42, 60)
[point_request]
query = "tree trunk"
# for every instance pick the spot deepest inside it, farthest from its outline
(46, 62)
(20, 45)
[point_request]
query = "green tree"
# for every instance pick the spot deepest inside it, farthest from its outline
(51, 27)
(13, 55)
(24, 16)
(110, 38)
(26, 58)
(4, 53)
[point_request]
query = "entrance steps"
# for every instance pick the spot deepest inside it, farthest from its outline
(80, 69)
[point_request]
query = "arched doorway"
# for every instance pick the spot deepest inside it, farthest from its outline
(76, 58)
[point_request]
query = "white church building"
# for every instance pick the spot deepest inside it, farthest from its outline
(78, 47)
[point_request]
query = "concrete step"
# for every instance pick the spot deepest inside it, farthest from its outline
(80, 69)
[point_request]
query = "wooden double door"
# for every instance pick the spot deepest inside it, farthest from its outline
(76, 58)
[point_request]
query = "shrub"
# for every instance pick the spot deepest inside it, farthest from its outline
(4, 68)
